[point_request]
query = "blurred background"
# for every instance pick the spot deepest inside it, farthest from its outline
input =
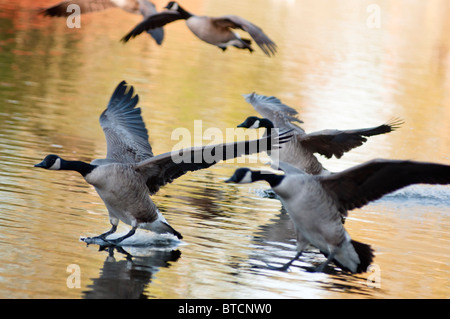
(341, 64)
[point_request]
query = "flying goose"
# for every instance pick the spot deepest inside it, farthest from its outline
(130, 172)
(299, 152)
(143, 7)
(315, 202)
(213, 30)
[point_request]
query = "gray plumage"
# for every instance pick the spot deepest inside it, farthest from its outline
(300, 151)
(315, 203)
(143, 7)
(125, 132)
(130, 172)
(213, 30)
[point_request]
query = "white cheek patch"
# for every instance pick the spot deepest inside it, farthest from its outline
(255, 125)
(119, 3)
(247, 178)
(174, 6)
(56, 165)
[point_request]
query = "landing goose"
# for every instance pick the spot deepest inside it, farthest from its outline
(143, 7)
(299, 152)
(213, 30)
(130, 172)
(315, 203)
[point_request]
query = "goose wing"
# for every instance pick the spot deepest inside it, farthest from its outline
(147, 9)
(86, 6)
(124, 128)
(357, 186)
(152, 22)
(235, 22)
(278, 113)
(164, 168)
(337, 142)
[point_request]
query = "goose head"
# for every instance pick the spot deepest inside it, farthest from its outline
(51, 161)
(256, 122)
(172, 5)
(54, 162)
(244, 176)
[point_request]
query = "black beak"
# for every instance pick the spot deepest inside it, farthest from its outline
(41, 164)
(242, 125)
(232, 179)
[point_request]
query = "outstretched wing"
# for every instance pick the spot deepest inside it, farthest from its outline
(147, 9)
(124, 128)
(357, 186)
(164, 168)
(152, 22)
(336, 142)
(273, 109)
(261, 39)
(86, 6)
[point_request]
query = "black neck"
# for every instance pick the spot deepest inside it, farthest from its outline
(183, 13)
(266, 123)
(273, 179)
(79, 166)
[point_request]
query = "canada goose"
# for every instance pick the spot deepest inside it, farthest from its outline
(213, 30)
(299, 152)
(130, 172)
(315, 203)
(144, 7)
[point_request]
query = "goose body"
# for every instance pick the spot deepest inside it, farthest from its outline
(142, 7)
(315, 203)
(128, 201)
(217, 31)
(301, 150)
(130, 172)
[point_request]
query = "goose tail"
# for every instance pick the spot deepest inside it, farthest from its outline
(161, 226)
(365, 254)
(354, 257)
(171, 230)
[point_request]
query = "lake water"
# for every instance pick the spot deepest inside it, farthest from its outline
(341, 64)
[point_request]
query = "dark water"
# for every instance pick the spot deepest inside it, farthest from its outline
(336, 65)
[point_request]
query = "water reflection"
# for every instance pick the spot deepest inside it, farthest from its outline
(275, 245)
(129, 277)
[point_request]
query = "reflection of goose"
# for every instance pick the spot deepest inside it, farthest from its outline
(128, 278)
(315, 203)
(299, 152)
(144, 7)
(216, 31)
(130, 171)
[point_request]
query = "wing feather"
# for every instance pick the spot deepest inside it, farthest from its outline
(164, 168)
(236, 22)
(336, 142)
(86, 6)
(357, 186)
(124, 128)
